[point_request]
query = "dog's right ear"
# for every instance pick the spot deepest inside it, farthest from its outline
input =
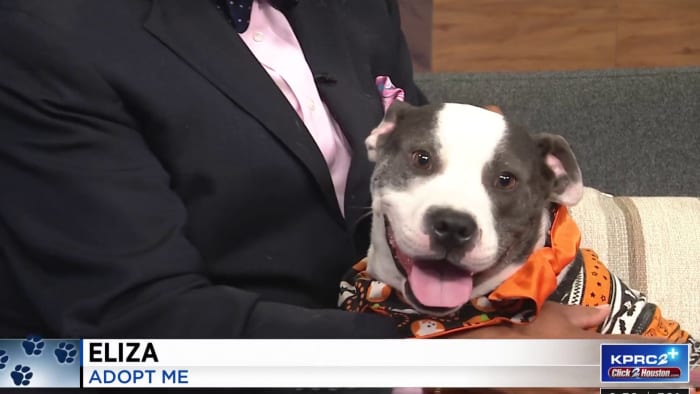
(386, 126)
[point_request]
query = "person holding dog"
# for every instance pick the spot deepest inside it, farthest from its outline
(178, 169)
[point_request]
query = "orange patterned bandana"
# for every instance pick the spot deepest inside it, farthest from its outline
(518, 299)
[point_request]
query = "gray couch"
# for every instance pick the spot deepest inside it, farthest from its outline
(635, 132)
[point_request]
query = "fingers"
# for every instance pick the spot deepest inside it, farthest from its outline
(695, 377)
(554, 321)
(583, 317)
(558, 321)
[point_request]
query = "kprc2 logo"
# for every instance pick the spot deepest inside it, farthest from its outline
(644, 363)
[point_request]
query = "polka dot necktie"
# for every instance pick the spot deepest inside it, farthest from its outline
(238, 13)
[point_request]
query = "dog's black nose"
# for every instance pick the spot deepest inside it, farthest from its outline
(449, 228)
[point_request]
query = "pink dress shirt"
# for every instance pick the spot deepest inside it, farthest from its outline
(272, 41)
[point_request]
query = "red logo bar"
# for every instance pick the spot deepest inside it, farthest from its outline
(644, 372)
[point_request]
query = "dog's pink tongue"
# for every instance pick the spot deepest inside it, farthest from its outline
(439, 284)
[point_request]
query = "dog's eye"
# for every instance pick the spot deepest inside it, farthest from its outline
(506, 181)
(421, 159)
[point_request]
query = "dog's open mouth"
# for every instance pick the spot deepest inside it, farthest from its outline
(435, 284)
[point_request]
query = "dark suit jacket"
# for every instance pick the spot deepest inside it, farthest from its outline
(154, 182)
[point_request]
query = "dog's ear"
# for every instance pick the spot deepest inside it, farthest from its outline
(386, 126)
(559, 158)
(494, 108)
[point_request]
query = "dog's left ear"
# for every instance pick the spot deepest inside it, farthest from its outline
(385, 127)
(559, 158)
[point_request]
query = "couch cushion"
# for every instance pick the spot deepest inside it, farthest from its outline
(652, 243)
(635, 132)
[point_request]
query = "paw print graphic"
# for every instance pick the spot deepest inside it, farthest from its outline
(65, 353)
(21, 375)
(33, 345)
(3, 359)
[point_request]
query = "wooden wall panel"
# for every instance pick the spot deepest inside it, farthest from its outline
(523, 35)
(658, 33)
(479, 35)
(417, 25)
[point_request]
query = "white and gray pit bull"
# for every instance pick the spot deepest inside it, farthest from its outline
(462, 200)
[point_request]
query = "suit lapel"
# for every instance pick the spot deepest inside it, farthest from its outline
(203, 39)
(353, 102)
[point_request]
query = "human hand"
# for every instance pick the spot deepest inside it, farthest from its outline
(555, 321)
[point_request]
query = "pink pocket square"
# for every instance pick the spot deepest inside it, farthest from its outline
(388, 91)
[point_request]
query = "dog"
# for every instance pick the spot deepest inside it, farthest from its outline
(470, 227)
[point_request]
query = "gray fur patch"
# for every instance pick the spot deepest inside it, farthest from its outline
(518, 212)
(414, 130)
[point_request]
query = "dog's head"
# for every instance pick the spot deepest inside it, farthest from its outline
(460, 197)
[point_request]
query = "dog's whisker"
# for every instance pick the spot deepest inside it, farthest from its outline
(363, 216)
